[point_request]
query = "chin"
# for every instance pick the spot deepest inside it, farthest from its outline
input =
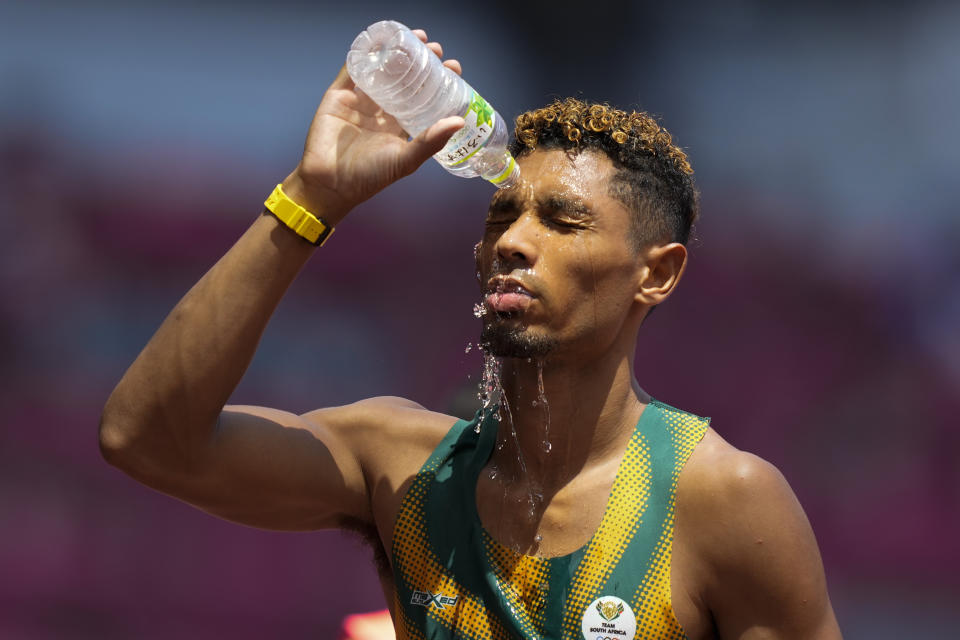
(514, 342)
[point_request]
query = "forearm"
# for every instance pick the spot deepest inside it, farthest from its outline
(167, 403)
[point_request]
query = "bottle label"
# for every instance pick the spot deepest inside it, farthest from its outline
(474, 135)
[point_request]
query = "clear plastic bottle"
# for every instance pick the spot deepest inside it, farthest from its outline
(392, 66)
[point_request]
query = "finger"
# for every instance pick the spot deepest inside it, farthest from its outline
(343, 80)
(436, 48)
(433, 46)
(431, 141)
(454, 65)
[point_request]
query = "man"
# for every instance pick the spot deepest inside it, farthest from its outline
(577, 507)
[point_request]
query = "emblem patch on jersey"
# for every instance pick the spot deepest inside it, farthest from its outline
(438, 600)
(609, 618)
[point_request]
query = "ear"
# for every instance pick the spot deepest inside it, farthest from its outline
(660, 270)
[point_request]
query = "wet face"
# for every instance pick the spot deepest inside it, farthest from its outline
(557, 267)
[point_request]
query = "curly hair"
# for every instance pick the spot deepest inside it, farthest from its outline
(654, 179)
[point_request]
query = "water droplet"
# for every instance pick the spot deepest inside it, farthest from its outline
(479, 310)
(538, 538)
(542, 400)
(476, 429)
(476, 252)
(493, 474)
(469, 346)
(490, 389)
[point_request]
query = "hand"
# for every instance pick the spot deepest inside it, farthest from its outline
(354, 149)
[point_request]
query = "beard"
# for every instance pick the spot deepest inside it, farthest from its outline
(513, 342)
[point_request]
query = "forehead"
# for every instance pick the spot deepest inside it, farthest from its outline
(583, 176)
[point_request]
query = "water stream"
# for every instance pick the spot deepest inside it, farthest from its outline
(542, 402)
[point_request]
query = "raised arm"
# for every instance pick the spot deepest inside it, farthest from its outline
(165, 422)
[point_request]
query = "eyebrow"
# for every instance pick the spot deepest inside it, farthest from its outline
(573, 207)
(504, 204)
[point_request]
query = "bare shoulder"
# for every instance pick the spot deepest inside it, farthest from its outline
(762, 573)
(391, 438)
(386, 431)
(719, 477)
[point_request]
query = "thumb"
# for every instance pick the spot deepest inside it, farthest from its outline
(343, 80)
(431, 141)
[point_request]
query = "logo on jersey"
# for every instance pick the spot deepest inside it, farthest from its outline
(438, 600)
(610, 609)
(609, 618)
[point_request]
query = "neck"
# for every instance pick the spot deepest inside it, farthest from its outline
(559, 420)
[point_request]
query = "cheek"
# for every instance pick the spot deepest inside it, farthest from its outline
(607, 285)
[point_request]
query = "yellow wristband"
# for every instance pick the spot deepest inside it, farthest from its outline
(299, 220)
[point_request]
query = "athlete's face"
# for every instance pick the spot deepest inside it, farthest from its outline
(557, 265)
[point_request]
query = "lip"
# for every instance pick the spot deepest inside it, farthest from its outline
(508, 284)
(507, 295)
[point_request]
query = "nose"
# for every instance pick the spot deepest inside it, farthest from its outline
(518, 244)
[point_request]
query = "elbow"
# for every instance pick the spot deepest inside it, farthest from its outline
(114, 440)
(137, 441)
(123, 446)
(120, 431)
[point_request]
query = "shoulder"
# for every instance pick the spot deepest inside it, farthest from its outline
(740, 508)
(720, 476)
(387, 431)
(760, 559)
(735, 495)
(390, 438)
(389, 416)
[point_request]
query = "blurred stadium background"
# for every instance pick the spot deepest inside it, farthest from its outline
(817, 325)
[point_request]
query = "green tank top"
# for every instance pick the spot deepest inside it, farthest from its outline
(453, 580)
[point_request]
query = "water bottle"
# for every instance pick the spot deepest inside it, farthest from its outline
(407, 80)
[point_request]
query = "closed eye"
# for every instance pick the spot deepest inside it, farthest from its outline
(563, 222)
(566, 222)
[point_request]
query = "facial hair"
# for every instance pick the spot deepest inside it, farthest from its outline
(504, 341)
